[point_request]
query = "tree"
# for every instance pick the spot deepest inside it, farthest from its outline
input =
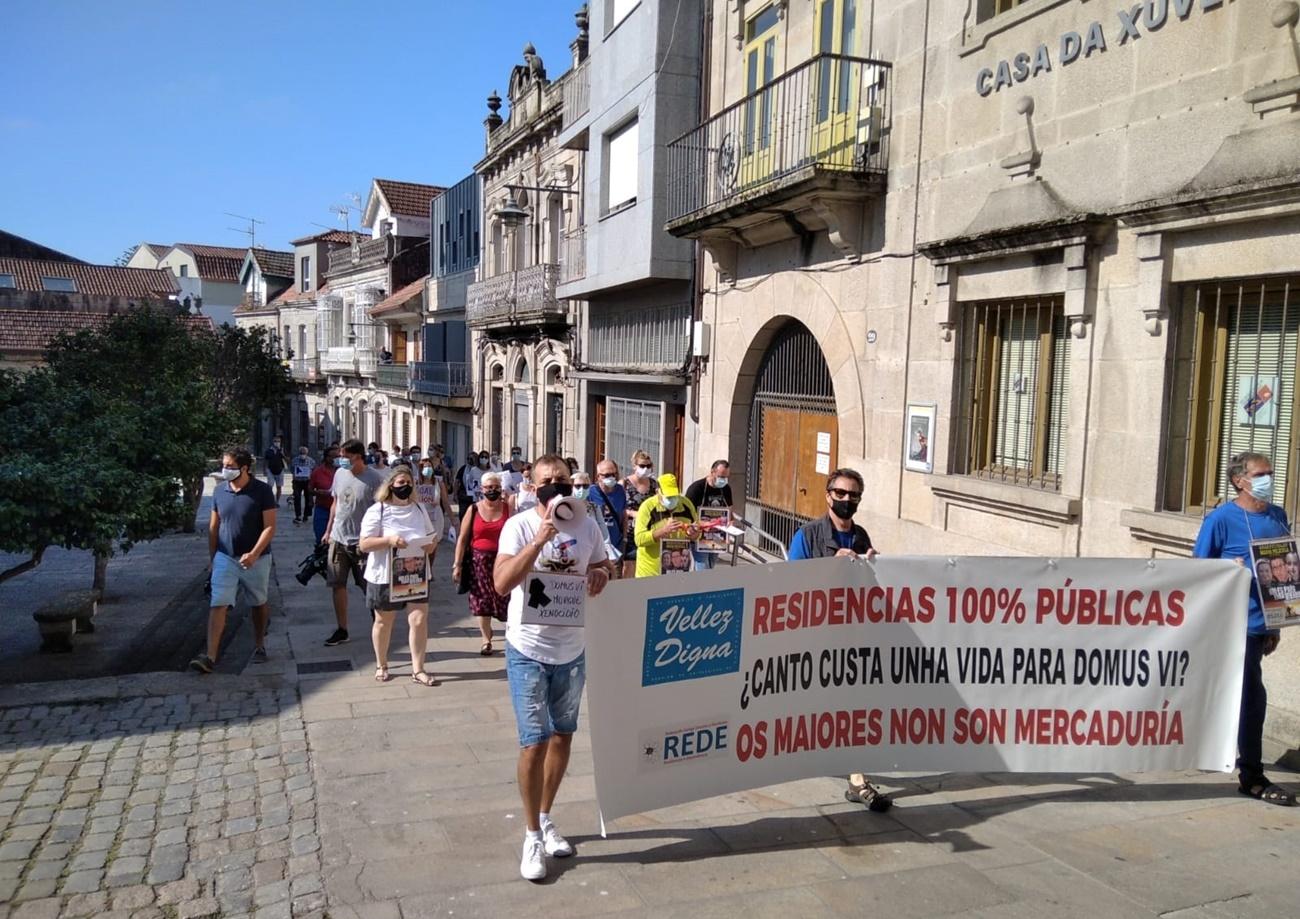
(144, 406)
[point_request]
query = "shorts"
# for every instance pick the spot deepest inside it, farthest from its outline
(344, 559)
(275, 478)
(546, 697)
(229, 580)
(377, 599)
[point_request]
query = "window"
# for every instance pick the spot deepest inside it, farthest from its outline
(60, 285)
(987, 9)
(185, 271)
(1015, 358)
(302, 342)
(1232, 388)
(305, 270)
(630, 426)
(616, 11)
(7, 280)
(621, 167)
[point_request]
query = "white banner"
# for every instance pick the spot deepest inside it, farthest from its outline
(718, 681)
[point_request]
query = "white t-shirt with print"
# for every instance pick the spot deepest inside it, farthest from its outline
(572, 554)
(408, 521)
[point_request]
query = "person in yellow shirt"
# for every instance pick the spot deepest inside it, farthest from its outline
(671, 515)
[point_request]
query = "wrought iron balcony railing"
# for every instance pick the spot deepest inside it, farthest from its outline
(393, 376)
(449, 379)
(830, 114)
(525, 297)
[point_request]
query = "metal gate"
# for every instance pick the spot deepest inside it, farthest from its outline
(793, 434)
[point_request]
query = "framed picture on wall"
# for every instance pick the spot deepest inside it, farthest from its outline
(918, 451)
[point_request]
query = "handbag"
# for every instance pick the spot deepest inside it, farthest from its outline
(467, 555)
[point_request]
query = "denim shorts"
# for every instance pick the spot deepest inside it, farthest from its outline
(229, 580)
(546, 697)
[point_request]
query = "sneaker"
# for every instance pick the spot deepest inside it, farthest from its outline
(339, 637)
(556, 845)
(532, 867)
(202, 664)
(259, 656)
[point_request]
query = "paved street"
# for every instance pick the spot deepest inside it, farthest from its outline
(275, 793)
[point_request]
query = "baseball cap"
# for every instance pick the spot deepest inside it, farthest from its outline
(668, 485)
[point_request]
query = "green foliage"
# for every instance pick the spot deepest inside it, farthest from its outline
(99, 441)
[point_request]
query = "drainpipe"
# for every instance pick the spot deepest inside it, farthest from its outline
(697, 287)
(916, 221)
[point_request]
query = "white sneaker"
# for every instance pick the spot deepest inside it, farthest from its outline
(533, 865)
(556, 845)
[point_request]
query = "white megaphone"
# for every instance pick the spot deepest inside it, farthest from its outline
(567, 513)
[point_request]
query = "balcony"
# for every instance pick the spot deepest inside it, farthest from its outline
(306, 369)
(516, 298)
(446, 379)
(395, 377)
(349, 360)
(577, 93)
(365, 254)
(801, 154)
(574, 266)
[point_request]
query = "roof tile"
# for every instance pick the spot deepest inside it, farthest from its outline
(100, 280)
(408, 198)
(24, 332)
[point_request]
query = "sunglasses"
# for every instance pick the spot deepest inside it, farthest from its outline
(839, 494)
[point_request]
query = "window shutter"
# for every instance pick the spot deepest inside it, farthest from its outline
(1059, 396)
(622, 165)
(1262, 340)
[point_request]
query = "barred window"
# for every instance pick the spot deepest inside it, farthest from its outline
(631, 425)
(987, 9)
(1232, 385)
(1014, 387)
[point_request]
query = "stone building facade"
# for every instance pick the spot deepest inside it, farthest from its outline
(1032, 268)
(521, 333)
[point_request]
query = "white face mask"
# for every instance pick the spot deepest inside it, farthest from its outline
(644, 470)
(228, 475)
(720, 481)
(671, 503)
(609, 481)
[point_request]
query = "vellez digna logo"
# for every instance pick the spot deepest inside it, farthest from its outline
(692, 636)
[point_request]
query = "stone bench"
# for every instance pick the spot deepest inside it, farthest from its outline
(70, 612)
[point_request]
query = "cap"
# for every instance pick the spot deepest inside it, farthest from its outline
(668, 485)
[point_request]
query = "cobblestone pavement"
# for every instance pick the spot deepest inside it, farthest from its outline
(182, 805)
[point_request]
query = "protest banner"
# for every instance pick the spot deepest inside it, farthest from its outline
(770, 673)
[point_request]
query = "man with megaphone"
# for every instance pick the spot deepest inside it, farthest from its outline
(545, 664)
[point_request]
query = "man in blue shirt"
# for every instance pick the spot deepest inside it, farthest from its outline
(836, 535)
(1227, 532)
(239, 552)
(610, 498)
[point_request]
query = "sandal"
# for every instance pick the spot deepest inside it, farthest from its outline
(865, 793)
(1269, 794)
(381, 675)
(486, 650)
(427, 681)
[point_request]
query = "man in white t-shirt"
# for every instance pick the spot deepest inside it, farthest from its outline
(545, 664)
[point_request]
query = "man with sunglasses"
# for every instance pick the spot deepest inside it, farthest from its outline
(836, 535)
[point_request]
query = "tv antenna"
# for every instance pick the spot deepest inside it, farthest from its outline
(343, 212)
(250, 231)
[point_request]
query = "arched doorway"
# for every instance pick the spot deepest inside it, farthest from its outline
(793, 433)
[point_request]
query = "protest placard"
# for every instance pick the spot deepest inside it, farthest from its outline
(408, 573)
(764, 674)
(713, 533)
(1277, 578)
(555, 599)
(675, 556)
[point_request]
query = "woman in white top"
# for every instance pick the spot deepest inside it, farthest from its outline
(395, 520)
(432, 495)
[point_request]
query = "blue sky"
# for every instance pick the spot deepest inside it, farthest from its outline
(123, 122)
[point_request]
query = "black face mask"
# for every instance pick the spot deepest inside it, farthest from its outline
(548, 491)
(492, 495)
(401, 491)
(844, 509)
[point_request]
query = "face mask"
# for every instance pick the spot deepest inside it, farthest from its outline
(514, 455)
(550, 490)
(609, 481)
(483, 463)
(671, 503)
(401, 491)
(1262, 488)
(492, 495)
(844, 509)
(580, 491)
(228, 475)
(342, 462)
(644, 470)
(427, 471)
(720, 481)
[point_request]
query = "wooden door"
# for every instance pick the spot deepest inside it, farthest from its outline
(598, 449)
(791, 478)
(815, 430)
(679, 440)
(399, 349)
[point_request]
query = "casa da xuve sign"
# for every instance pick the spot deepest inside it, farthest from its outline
(1129, 25)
